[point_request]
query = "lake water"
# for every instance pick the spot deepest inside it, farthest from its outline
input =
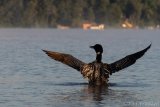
(29, 78)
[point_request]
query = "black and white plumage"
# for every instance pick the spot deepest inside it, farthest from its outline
(97, 72)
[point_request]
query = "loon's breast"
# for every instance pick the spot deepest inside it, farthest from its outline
(95, 73)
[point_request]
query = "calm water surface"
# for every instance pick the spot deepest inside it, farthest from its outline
(29, 78)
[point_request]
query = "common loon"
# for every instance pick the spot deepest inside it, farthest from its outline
(97, 72)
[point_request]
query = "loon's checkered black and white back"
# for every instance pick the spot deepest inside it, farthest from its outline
(97, 72)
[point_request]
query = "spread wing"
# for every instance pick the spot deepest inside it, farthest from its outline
(126, 61)
(65, 59)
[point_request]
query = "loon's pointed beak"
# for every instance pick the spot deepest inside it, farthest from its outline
(92, 47)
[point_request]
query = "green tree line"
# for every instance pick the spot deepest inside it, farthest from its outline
(50, 13)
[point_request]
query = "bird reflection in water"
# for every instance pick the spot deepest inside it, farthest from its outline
(92, 95)
(102, 94)
(95, 92)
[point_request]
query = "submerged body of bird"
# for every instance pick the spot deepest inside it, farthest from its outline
(96, 72)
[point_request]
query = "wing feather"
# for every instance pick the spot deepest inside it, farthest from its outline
(65, 59)
(126, 61)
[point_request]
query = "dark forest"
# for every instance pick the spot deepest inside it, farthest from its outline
(50, 13)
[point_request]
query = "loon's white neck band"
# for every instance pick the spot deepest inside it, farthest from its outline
(98, 53)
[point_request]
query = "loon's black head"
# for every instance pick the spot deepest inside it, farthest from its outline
(98, 48)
